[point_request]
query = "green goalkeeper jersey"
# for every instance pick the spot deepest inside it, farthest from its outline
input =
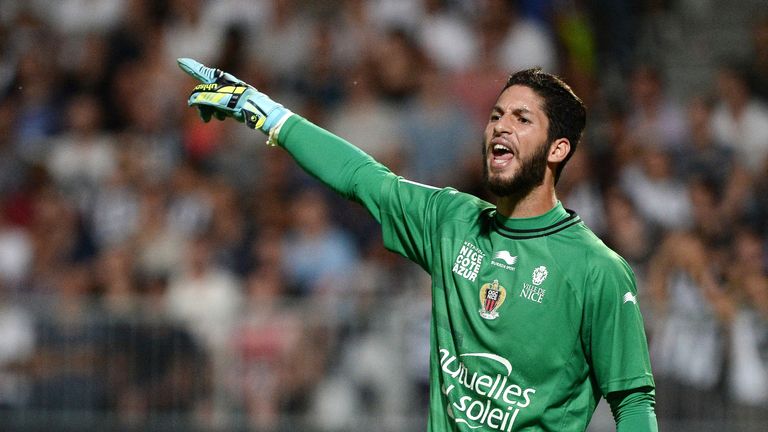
(533, 319)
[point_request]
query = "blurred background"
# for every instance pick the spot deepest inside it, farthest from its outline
(158, 273)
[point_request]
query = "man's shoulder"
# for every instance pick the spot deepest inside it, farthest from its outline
(454, 204)
(463, 199)
(583, 242)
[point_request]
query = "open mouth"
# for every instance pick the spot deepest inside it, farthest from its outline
(501, 154)
(499, 151)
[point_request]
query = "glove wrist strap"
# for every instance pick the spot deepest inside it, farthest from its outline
(274, 133)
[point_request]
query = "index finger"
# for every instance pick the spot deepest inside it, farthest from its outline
(198, 71)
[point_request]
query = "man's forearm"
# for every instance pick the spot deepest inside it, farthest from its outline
(343, 167)
(633, 410)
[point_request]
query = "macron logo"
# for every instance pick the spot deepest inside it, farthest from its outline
(629, 297)
(506, 257)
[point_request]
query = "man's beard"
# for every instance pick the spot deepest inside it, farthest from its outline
(529, 175)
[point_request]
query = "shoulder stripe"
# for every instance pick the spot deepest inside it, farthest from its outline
(419, 184)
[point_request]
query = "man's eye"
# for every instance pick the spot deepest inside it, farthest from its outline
(495, 117)
(523, 120)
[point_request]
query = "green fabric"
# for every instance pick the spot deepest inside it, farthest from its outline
(634, 410)
(533, 320)
(337, 163)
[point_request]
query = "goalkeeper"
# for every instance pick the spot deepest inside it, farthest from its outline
(534, 319)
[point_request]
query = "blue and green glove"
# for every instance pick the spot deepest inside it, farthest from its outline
(223, 95)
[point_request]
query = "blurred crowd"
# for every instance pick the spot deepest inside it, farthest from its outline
(155, 266)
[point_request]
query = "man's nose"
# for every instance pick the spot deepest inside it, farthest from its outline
(502, 125)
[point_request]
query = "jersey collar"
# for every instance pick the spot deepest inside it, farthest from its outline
(555, 220)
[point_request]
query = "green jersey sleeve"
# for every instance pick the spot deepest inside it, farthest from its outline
(337, 163)
(403, 207)
(633, 410)
(615, 334)
(410, 219)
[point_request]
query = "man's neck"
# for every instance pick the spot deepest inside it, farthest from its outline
(539, 201)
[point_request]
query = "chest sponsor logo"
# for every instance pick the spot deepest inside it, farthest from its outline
(492, 296)
(483, 395)
(468, 261)
(504, 260)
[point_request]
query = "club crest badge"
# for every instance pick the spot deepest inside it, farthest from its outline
(492, 295)
(539, 274)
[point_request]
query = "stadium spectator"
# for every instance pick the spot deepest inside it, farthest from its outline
(629, 233)
(204, 297)
(69, 334)
(758, 66)
(321, 89)
(446, 37)
(189, 207)
(265, 338)
(748, 286)
(189, 29)
(436, 142)
(654, 188)
(159, 245)
(740, 119)
(114, 210)
(365, 114)
(116, 282)
(317, 254)
(82, 157)
(579, 190)
(17, 347)
(477, 86)
(525, 42)
(60, 241)
(37, 118)
(229, 231)
(13, 171)
(287, 25)
(714, 163)
(395, 64)
(68, 18)
(356, 32)
(691, 311)
(16, 254)
(654, 116)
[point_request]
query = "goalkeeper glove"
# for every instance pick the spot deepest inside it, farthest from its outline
(222, 95)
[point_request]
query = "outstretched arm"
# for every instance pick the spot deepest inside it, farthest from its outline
(684, 251)
(407, 210)
(332, 160)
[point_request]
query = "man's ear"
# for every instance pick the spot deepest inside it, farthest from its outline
(559, 150)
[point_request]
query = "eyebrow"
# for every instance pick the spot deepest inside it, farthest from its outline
(522, 110)
(516, 111)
